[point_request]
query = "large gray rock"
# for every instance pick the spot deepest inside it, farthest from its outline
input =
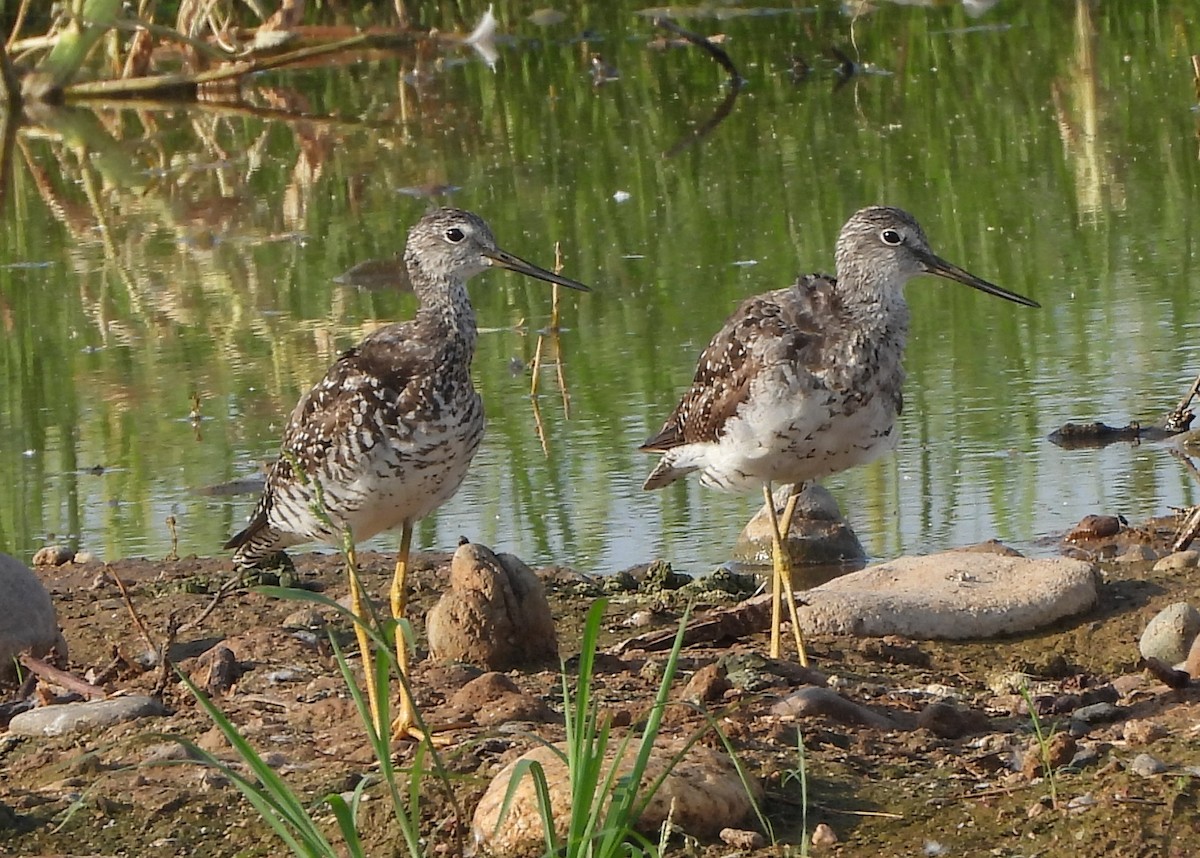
(27, 618)
(954, 595)
(494, 615)
(67, 718)
(702, 794)
(1168, 637)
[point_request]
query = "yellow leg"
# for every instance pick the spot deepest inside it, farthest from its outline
(366, 648)
(776, 571)
(781, 578)
(405, 724)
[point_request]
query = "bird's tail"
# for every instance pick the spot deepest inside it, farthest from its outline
(666, 472)
(256, 542)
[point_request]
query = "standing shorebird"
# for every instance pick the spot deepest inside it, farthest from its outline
(804, 382)
(387, 436)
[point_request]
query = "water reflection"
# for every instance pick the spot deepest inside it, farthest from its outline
(152, 253)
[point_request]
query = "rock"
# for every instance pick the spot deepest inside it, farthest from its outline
(1178, 560)
(1146, 766)
(77, 717)
(954, 596)
(819, 535)
(27, 618)
(702, 794)
(1169, 636)
(740, 838)
(1095, 527)
(495, 613)
(947, 721)
(1191, 664)
(53, 555)
(1083, 758)
(1142, 731)
(1137, 554)
(1097, 713)
(307, 619)
(1059, 750)
(707, 684)
(813, 700)
(217, 670)
(493, 699)
(992, 546)
(823, 836)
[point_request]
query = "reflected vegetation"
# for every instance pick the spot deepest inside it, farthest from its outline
(167, 271)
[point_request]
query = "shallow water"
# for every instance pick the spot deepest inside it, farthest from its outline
(155, 254)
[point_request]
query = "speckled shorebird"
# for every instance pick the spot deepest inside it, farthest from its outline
(804, 382)
(387, 436)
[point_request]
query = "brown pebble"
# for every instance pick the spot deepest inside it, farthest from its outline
(1142, 731)
(1059, 751)
(740, 838)
(707, 684)
(218, 670)
(823, 835)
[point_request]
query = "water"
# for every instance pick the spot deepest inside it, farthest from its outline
(155, 254)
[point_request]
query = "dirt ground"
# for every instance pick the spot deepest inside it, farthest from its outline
(953, 780)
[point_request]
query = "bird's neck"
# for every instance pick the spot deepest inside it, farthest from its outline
(446, 308)
(885, 312)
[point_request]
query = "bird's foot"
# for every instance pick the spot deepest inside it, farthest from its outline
(403, 729)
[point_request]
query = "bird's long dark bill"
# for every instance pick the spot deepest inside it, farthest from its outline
(504, 259)
(942, 268)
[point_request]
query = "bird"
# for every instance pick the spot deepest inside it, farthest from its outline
(387, 436)
(804, 382)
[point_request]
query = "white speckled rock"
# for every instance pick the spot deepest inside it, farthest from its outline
(27, 617)
(953, 596)
(703, 794)
(1169, 636)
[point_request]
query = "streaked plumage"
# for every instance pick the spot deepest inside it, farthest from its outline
(804, 382)
(388, 435)
(389, 432)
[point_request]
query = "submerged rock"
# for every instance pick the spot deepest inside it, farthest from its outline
(494, 615)
(28, 621)
(818, 536)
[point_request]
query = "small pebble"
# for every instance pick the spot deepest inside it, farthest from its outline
(1147, 766)
(287, 674)
(1097, 713)
(1081, 803)
(1142, 731)
(823, 835)
(741, 839)
(1084, 758)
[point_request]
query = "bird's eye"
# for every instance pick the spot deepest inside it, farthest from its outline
(890, 236)
(454, 235)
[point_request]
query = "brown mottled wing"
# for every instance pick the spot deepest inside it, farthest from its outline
(773, 326)
(377, 374)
